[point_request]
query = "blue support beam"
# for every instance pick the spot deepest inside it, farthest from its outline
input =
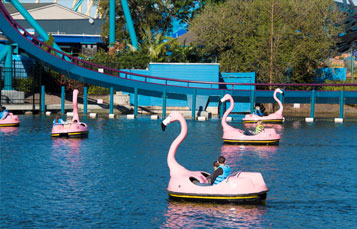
(111, 101)
(193, 108)
(342, 102)
(164, 104)
(252, 100)
(63, 97)
(222, 106)
(85, 99)
(43, 99)
(312, 104)
(129, 23)
(136, 101)
(8, 68)
(111, 23)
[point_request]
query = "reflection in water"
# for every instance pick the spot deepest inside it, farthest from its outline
(230, 152)
(192, 215)
(9, 130)
(69, 145)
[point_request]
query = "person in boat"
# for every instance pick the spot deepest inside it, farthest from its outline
(259, 128)
(257, 111)
(58, 120)
(3, 112)
(221, 173)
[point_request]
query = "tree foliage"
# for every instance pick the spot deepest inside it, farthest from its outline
(157, 15)
(280, 40)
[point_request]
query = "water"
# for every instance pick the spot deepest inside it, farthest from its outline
(116, 178)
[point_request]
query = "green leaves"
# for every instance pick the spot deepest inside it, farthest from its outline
(280, 40)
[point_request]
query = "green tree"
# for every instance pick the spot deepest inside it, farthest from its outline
(269, 37)
(157, 15)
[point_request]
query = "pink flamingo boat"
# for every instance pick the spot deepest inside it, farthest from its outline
(10, 120)
(73, 129)
(276, 117)
(242, 187)
(237, 136)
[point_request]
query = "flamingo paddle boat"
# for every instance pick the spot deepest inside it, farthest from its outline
(75, 128)
(242, 187)
(236, 136)
(276, 117)
(10, 120)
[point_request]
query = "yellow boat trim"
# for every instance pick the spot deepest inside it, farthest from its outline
(215, 197)
(77, 133)
(11, 124)
(55, 135)
(268, 120)
(247, 141)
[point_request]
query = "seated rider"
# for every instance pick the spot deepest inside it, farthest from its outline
(221, 173)
(3, 112)
(58, 120)
(257, 111)
(259, 128)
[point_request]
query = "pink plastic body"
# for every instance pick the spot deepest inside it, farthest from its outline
(10, 120)
(276, 117)
(234, 135)
(243, 184)
(73, 129)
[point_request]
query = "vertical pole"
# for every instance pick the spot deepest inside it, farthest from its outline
(8, 68)
(111, 101)
(136, 102)
(164, 104)
(221, 111)
(352, 64)
(43, 99)
(341, 103)
(62, 100)
(193, 108)
(111, 23)
(252, 99)
(85, 99)
(312, 111)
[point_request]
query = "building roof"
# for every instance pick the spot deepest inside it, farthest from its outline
(46, 11)
(57, 19)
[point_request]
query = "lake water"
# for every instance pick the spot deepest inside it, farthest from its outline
(117, 177)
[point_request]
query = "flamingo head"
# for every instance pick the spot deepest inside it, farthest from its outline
(174, 116)
(226, 97)
(278, 90)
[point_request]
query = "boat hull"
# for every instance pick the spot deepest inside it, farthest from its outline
(252, 142)
(253, 198)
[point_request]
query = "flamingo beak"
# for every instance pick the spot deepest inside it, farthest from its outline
(165, 123)
(163, 127)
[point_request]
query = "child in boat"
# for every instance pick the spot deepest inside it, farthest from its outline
(221, 173)
(58, 120)
(259, 128)
(3, 112)
(257, 111)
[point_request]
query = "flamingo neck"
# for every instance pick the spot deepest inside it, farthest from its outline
(280, 111)
(176, 168)
(225, 115)
(75, 108)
